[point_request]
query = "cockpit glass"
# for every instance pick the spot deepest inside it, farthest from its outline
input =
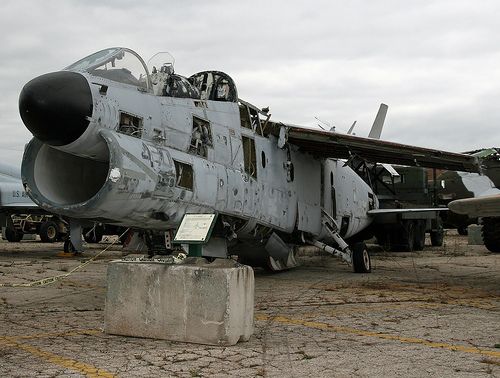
(116, 64)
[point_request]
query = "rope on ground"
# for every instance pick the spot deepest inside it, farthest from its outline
(49, 280)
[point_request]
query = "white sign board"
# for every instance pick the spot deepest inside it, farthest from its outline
(194, 228)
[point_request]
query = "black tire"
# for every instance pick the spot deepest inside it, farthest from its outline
(419, 236)
(361, 261)
(48, 232)
(462, 230)
(437, 237)
(491, 234)
(13, 235)
(69, 247)
(94, 234)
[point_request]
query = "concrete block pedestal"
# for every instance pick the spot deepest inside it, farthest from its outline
(474, 234)
(195, 301)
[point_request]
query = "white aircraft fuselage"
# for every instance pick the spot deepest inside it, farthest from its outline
(128, 152)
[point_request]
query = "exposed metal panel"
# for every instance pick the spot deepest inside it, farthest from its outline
(309, 218)
(277, 248)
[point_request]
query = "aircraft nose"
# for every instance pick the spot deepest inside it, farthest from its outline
(55, 107)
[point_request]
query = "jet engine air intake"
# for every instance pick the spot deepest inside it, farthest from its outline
(60, 178)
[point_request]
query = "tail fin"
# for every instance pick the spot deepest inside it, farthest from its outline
(351, 128)
(378, 124)
(376, 131)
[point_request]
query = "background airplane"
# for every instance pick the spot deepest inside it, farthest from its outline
(486, 206)
(19, 215)
(453, 186)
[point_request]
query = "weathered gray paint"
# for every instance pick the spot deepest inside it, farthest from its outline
(140, 182)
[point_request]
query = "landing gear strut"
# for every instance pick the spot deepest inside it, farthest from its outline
(357, 255)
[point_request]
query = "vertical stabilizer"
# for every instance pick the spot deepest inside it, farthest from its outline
(351, 128)
(378, 124)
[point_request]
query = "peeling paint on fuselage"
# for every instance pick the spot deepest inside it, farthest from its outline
(148, 183)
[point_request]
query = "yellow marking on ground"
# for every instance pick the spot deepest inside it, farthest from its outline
(385, 336)
(372, 307)
(437, 291)
(52, 334)
(346, 308)
(87, 369)
(491, 362)
(408, 293)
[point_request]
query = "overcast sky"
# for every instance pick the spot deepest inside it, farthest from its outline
(435, 63)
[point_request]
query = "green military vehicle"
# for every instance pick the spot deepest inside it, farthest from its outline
(408, 189)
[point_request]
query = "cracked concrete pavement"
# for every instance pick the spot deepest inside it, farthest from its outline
(430, 313)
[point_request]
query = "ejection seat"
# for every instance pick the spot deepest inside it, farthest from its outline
(215, 86)
(159, 79)
(166, 83)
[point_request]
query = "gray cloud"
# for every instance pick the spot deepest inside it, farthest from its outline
(435, 63)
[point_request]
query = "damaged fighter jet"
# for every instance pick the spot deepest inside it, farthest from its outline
(121, 143)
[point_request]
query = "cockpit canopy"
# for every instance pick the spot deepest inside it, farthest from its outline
(125, 66)
(118, 64)
(215, 86)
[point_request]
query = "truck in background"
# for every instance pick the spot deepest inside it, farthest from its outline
(406, 188)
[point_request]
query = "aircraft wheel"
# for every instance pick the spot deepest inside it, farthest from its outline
(491, 234)
(48, 232)
(419, 236)
(361, 261)
(13, 235)
(69, 247)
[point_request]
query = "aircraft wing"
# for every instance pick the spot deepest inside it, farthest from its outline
(334, 145)
(398, 211)
(487, 206)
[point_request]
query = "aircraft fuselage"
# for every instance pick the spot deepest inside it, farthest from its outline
(144, 160)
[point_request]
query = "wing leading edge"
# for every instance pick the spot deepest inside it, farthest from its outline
(333, 145)
(401, 211)
(487, 206)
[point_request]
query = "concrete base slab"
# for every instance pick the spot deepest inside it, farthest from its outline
(196, 301)
(475, 236)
